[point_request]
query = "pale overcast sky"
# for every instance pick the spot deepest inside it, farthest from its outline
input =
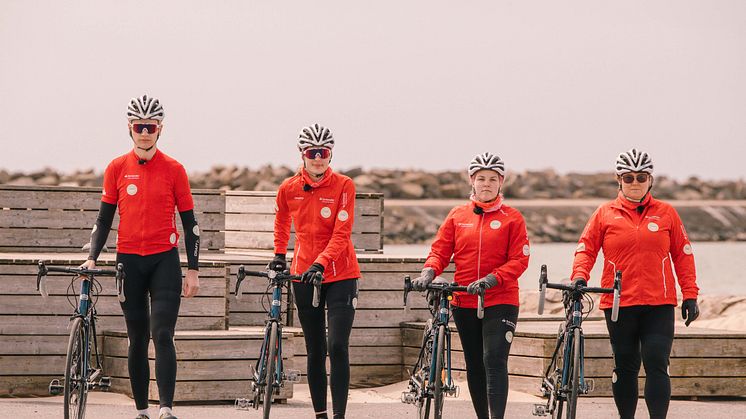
(423, 84)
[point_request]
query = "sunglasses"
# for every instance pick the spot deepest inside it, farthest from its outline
(641, 178)
(139, 128)
(312, 153)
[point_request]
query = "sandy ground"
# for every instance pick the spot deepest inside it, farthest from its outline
(381, 402)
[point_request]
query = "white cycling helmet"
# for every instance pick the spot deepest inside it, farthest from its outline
(145, 108)
(315, 136)
(634, 161)
(487, 161)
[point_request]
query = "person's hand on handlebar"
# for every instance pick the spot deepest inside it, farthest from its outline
(488, 282)
(579, 281)
(89, 264)
(426, 276)
(689, 311)
(278, 263)
(308, 276)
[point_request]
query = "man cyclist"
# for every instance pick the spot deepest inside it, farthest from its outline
(146, 185)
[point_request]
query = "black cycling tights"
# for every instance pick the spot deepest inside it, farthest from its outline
(160, 276)
(486, 345)
(340, 298)
(646, 330)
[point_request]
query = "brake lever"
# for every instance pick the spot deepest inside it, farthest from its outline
(41, 277)
(120, 276)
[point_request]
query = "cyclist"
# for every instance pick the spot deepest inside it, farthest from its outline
(642, 237)
(321, 205)
(489, 244)
(146, 185)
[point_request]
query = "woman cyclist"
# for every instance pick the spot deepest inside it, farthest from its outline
(321, 205)
(489, 245)
(147, 185)
(642, 237)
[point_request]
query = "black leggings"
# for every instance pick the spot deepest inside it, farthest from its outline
(340, 298)
(486, 345)
(160, 276)
(647, 330)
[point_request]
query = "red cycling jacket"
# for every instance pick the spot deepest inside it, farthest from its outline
(493, 242)
(642, 244)
(323, 216)
(147, 195)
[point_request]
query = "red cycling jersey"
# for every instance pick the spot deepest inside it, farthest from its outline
(146, 195)
(493, 242)
(322, 213)
(642, 244)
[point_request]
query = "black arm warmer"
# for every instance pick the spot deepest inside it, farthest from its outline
(191, 238)
(101, 229)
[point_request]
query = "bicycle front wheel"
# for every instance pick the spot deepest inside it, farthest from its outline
(76, 372)
(269, 377)
(437, 375)
(574, 383)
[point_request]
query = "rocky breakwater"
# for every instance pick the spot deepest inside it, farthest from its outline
(556, 206)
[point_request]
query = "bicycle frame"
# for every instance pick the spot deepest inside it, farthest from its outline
(261, 382)
(275, 316)
(558, 385)
(423, 388)
(84, 321)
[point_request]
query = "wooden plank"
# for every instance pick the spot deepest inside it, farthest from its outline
(37, 344)
(265, 240)
(32, 364)
(365, 204)
(87, 198)
(265, 223)
(25, 385)
(58, 285)
(200, 391)
(680, 386)
(82, 219)
(34, 304)
(58, 324)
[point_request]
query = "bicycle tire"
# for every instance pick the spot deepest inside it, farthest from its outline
(438, 374)
(270, 371)
(559, 388)
(76, 373)
(423, 408)
(424, 404)
(572, 398)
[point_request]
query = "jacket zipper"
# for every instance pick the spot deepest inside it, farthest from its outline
(479, 252)
(663, 272)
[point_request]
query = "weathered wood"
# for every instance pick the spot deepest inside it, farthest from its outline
(200, 391)
(25, 385)
(265, 223)
(264, 203)
(207, 360)
(680, 386)
(58, 324)
(36, 345)
(58, 285)
(86, 198)
(82, 219)
(57, 304)
(72, 240)
(265, 240)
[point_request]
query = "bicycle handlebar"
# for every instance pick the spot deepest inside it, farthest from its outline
(280, 277)
(447, 287)
(117, 273)
(577, 287)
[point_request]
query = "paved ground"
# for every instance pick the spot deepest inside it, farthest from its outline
(369, 403)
